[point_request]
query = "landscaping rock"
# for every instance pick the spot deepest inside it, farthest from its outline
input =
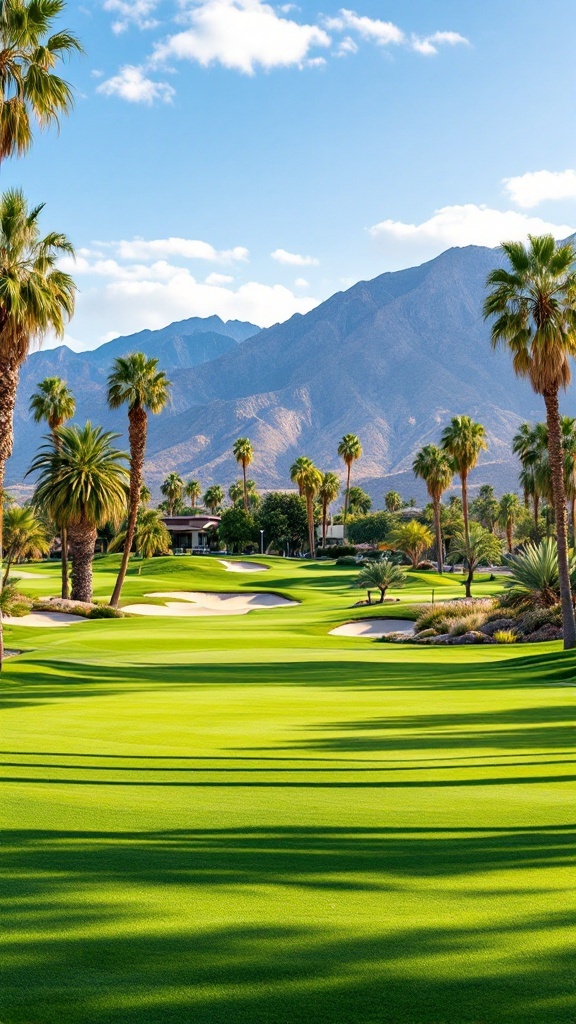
(545, 633)
(473, 637)
(497, 626)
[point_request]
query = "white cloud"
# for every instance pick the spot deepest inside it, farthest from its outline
(186, 248)
(347, 46)
(536, 187)
(301, 282)
(468, 224)
(383, 33)
(293, 259)
(243, 35)
(218, 279)
(428, 45)
(132, 84)
(132, 12)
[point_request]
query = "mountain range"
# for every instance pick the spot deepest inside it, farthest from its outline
(390, 359)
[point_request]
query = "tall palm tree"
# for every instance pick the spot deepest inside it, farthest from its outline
(54, 403)
(349, 450)
(434, 467)
(135, 381)
(83, 485)
(193, 491)
(244, 454)
(25, 536)
(172, 489)
(463, 440)
(531, 304)
(328, 492)
(312, 482)
(530, 444)
(36, 298)
(214, 497)
(508, 513)
(297, 470)
(392, 501)
(31, 91)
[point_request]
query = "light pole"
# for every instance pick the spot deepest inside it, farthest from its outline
(261, 542)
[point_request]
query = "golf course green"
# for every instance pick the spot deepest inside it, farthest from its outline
(246, 820)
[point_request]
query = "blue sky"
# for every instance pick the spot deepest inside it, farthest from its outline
(249, 159)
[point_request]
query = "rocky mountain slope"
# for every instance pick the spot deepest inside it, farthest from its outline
(390, 359)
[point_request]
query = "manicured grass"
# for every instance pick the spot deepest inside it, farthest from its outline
(245, 820)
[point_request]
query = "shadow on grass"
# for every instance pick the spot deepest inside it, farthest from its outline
(124, 965)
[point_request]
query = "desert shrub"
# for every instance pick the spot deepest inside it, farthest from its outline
(12, 602)
(534, 574)
(104, 611)
(441, 616)
(505, 636)
(336, 550)
(533, 619)
(346, 560)
(469, 623)
(425, 633)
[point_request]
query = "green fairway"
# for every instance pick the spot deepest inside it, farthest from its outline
(245, 820)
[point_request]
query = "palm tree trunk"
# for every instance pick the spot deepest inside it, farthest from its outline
(468, 583)
(346, 497)
(464, 481)
(509, 536)
(245, 487)
(7, 567)
(64, 556)
(382, 592)
(573, 519)
(536, 500)
(438, 531)
(8, 389)
(137, 425)
(310, 511)
(324, 521)
(82, 541)
(556, 457)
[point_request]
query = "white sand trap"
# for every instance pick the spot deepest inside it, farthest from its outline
(44, 619)
(19, 574)
(373, 627)
(188, 603)
(243, 566)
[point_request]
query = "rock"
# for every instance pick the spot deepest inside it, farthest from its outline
(473, 637)
(496, 625)
(442, 638)
(545, 633)
(425, 634)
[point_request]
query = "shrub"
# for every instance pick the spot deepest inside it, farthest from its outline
(12, 602)
(467, 624)
(505, 636)
(346, 560)
(104, 611)
(441, 616)
(425, 566)
(533, 619)
(534, 574)
(335, 550)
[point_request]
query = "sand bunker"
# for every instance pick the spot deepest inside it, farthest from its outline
(43, 619)
(21, 575)
(243, 566)
(188, 603)
(373, 627)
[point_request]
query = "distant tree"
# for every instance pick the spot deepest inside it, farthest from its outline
(193, 491)
(508, 512)
(244, 454)
(359, 503)
(328, 492)
(349, 451)
(484, 508)
(382, 575)
(463, 440)
(83, 485)
(531, 305)
(283, 519)
(479, 545)
(172, 489)
(413, 539)
(135, 381)
(434, 467)
(236, 492)
(297, 472)
(236, 528)
(25, 536)
(150, 536)
(373, 528)
(54, 403)
(213, 498)
(393, 501)
(312, 482)
(145, 496)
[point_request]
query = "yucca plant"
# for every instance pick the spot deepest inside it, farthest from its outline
(381, 575)
(534, 574)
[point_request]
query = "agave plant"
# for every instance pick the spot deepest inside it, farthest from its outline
(381, 575)
(534, 573)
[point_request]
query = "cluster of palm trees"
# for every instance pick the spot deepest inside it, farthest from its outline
(314, 484)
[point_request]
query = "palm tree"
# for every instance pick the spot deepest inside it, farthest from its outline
(327, 492)
(359, 503)
(531, 303)
(508, 513)
(530, 444)
(24, 536)
(36, 298)
(31, 91)
(413, 538)
(82, 484)
(145, 496)
(349, 450)
(393, 501)
(382, 575)
(55, 403)
(135, 381)
(463, 440)
(243, 453)
(214, 497)
(433, 466)
(172, 489)
(297, 470)
(311, 482)
(150, 535)
(478, 545)
(192, 490)
(236, 492)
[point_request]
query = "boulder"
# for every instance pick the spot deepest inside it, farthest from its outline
(498, 625)
(472, 637)
(545, 633)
